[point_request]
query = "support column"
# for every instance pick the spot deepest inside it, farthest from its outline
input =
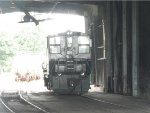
(135, 49)
(115, 55)
(108, 35)
(125, 58)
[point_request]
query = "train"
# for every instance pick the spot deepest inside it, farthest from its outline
(68, 69)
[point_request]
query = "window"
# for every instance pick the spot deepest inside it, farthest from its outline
(54, 45)
(84, 44)
(54, 49)
(83, 40)
(84, 49)
(54, 40)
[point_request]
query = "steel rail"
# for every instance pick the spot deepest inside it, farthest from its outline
(22, 98)
(6, 106)
(114, 104)
(32, 103)
(99, 100)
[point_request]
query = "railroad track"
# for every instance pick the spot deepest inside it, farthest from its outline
(99, 100)
(16, 103)
(86, 98)
(105, 106)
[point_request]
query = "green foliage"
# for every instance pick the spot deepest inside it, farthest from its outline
(30, 40)
(27, 39)
(7, 50)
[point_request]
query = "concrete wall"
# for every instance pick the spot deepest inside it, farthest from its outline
(144, 27)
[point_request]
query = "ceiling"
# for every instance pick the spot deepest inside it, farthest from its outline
(43, 6)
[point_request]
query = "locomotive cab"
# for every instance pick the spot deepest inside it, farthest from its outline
(69, 63)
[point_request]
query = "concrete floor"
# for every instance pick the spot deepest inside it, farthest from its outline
(92, 102)
(105, 103)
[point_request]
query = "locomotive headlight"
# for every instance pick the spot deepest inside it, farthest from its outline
(82, 74)
(46, 76)
(59, 74)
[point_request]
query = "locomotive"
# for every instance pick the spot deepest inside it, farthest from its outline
(69, 67)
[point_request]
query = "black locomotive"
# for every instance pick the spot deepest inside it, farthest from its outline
(69, 65)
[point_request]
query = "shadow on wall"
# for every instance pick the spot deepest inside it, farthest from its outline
(145, 83)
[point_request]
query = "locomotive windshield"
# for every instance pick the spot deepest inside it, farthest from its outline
(83, 40)
(54, 49)
(54, 44)
(84, 49)
(54, 40)
(84, 44)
